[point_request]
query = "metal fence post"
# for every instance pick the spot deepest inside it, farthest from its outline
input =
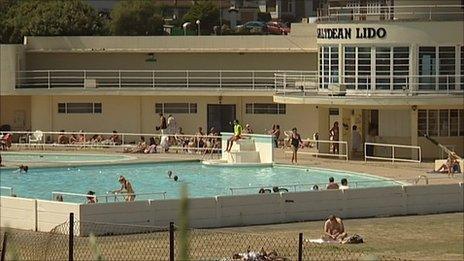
(71, 237)
(171, 241)
(300, 247)
(5, 236)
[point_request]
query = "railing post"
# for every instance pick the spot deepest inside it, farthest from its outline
(187, 75)
(119, 78)
(300, 247)
(48, 77)
(171, 241)
(153, 78)
(5, 237)
(220, 79)
(393, 153)
(253, 79)
(71, 237)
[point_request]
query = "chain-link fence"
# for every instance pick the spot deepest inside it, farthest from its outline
(134, 242)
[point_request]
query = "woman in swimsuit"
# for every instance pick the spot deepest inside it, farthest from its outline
(295, 142)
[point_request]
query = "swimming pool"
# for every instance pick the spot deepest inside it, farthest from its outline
(24, 158)
(202, 181)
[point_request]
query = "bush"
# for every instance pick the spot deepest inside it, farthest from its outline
(136, 17)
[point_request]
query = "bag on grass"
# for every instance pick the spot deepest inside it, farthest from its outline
(355, 239)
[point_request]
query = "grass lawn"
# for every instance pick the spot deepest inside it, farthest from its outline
(428, 237)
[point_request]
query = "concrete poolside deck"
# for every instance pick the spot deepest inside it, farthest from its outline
(401, 171)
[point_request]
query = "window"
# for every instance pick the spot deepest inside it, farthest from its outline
(383, 68)
(328, 65)
(364, 67)
(462, 67)
(447, 67)
(400, 67)
(350, 67)
(185, 108)
(427, 67)
(357, 67)
(441, 122)
(265, 108)
(80, 107)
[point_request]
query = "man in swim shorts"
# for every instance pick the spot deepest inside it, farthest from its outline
(235, 137)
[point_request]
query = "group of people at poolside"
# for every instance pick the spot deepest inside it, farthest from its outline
(331, 185)
(80, 138)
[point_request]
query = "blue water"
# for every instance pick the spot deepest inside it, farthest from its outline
(23, 158)
(202, 181)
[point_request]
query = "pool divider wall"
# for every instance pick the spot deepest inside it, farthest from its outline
(225, 211)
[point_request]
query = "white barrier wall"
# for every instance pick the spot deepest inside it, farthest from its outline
(52, 213)
(222, 211)
(18, 213)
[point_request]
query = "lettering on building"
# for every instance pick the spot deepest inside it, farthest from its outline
(348, 33)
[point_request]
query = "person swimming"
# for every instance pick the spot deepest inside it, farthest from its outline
(277, 189)
(169, 173)
(23, 168)
(263, 190)
(176, 178)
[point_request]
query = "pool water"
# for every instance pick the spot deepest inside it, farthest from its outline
(202, 181)
(24, 158)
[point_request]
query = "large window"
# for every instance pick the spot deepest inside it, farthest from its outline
(391, 68)
(358, 67)
(265, 108)
(328, 65)
(427, 67)
(87, 107)
(383, 71)
(350, 67)
(179, 108)
(441, 122)
(400, 67)
(447, 67)
(437, 67)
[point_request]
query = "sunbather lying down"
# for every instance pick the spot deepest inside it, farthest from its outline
(262, 255)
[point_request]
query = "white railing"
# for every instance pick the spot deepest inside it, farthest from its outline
(386, 12)
(316, 148)
(9, 189)
(58, 196)
(287, 83)
(179, 142)
(154, 79)
(392, 155)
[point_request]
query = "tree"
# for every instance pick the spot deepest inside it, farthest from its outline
(136, 17)
(47, 18)
(205, 11)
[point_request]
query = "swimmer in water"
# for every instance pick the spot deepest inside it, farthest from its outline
(176, 178)
(23, 168)
(169, 173)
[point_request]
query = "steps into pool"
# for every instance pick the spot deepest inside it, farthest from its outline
(243, 153)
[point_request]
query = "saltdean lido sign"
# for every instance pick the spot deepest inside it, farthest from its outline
(349, 33)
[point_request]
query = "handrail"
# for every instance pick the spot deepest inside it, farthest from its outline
(391, 12)
(317, 153)
(235, 79)
(123, 140)
(392, 158)
(108, 195)
(8, 188)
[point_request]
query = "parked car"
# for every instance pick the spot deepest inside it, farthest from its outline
(277, 28)
(255, 26)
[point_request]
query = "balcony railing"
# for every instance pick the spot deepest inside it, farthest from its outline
(152, 79)
(367, 85)
(375, 12)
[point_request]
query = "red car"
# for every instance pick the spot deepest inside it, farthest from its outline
(277, 28)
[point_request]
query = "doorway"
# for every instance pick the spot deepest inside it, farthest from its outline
(220, 116)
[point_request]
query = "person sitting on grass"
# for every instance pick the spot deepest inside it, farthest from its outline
(237, 135)
(334, 230)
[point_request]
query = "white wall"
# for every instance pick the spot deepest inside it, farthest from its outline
(394, 123)
(18, 213)
(222, 211)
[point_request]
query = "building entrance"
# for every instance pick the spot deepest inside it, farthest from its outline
(221, 116)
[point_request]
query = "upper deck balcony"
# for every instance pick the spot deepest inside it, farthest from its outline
(343, 12)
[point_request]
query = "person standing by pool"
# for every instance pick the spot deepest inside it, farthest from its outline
(236, 136)
(335, 136)
(126, 188)
(295, 142)
(163, 125)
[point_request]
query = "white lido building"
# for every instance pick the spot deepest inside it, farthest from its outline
(392, 68)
